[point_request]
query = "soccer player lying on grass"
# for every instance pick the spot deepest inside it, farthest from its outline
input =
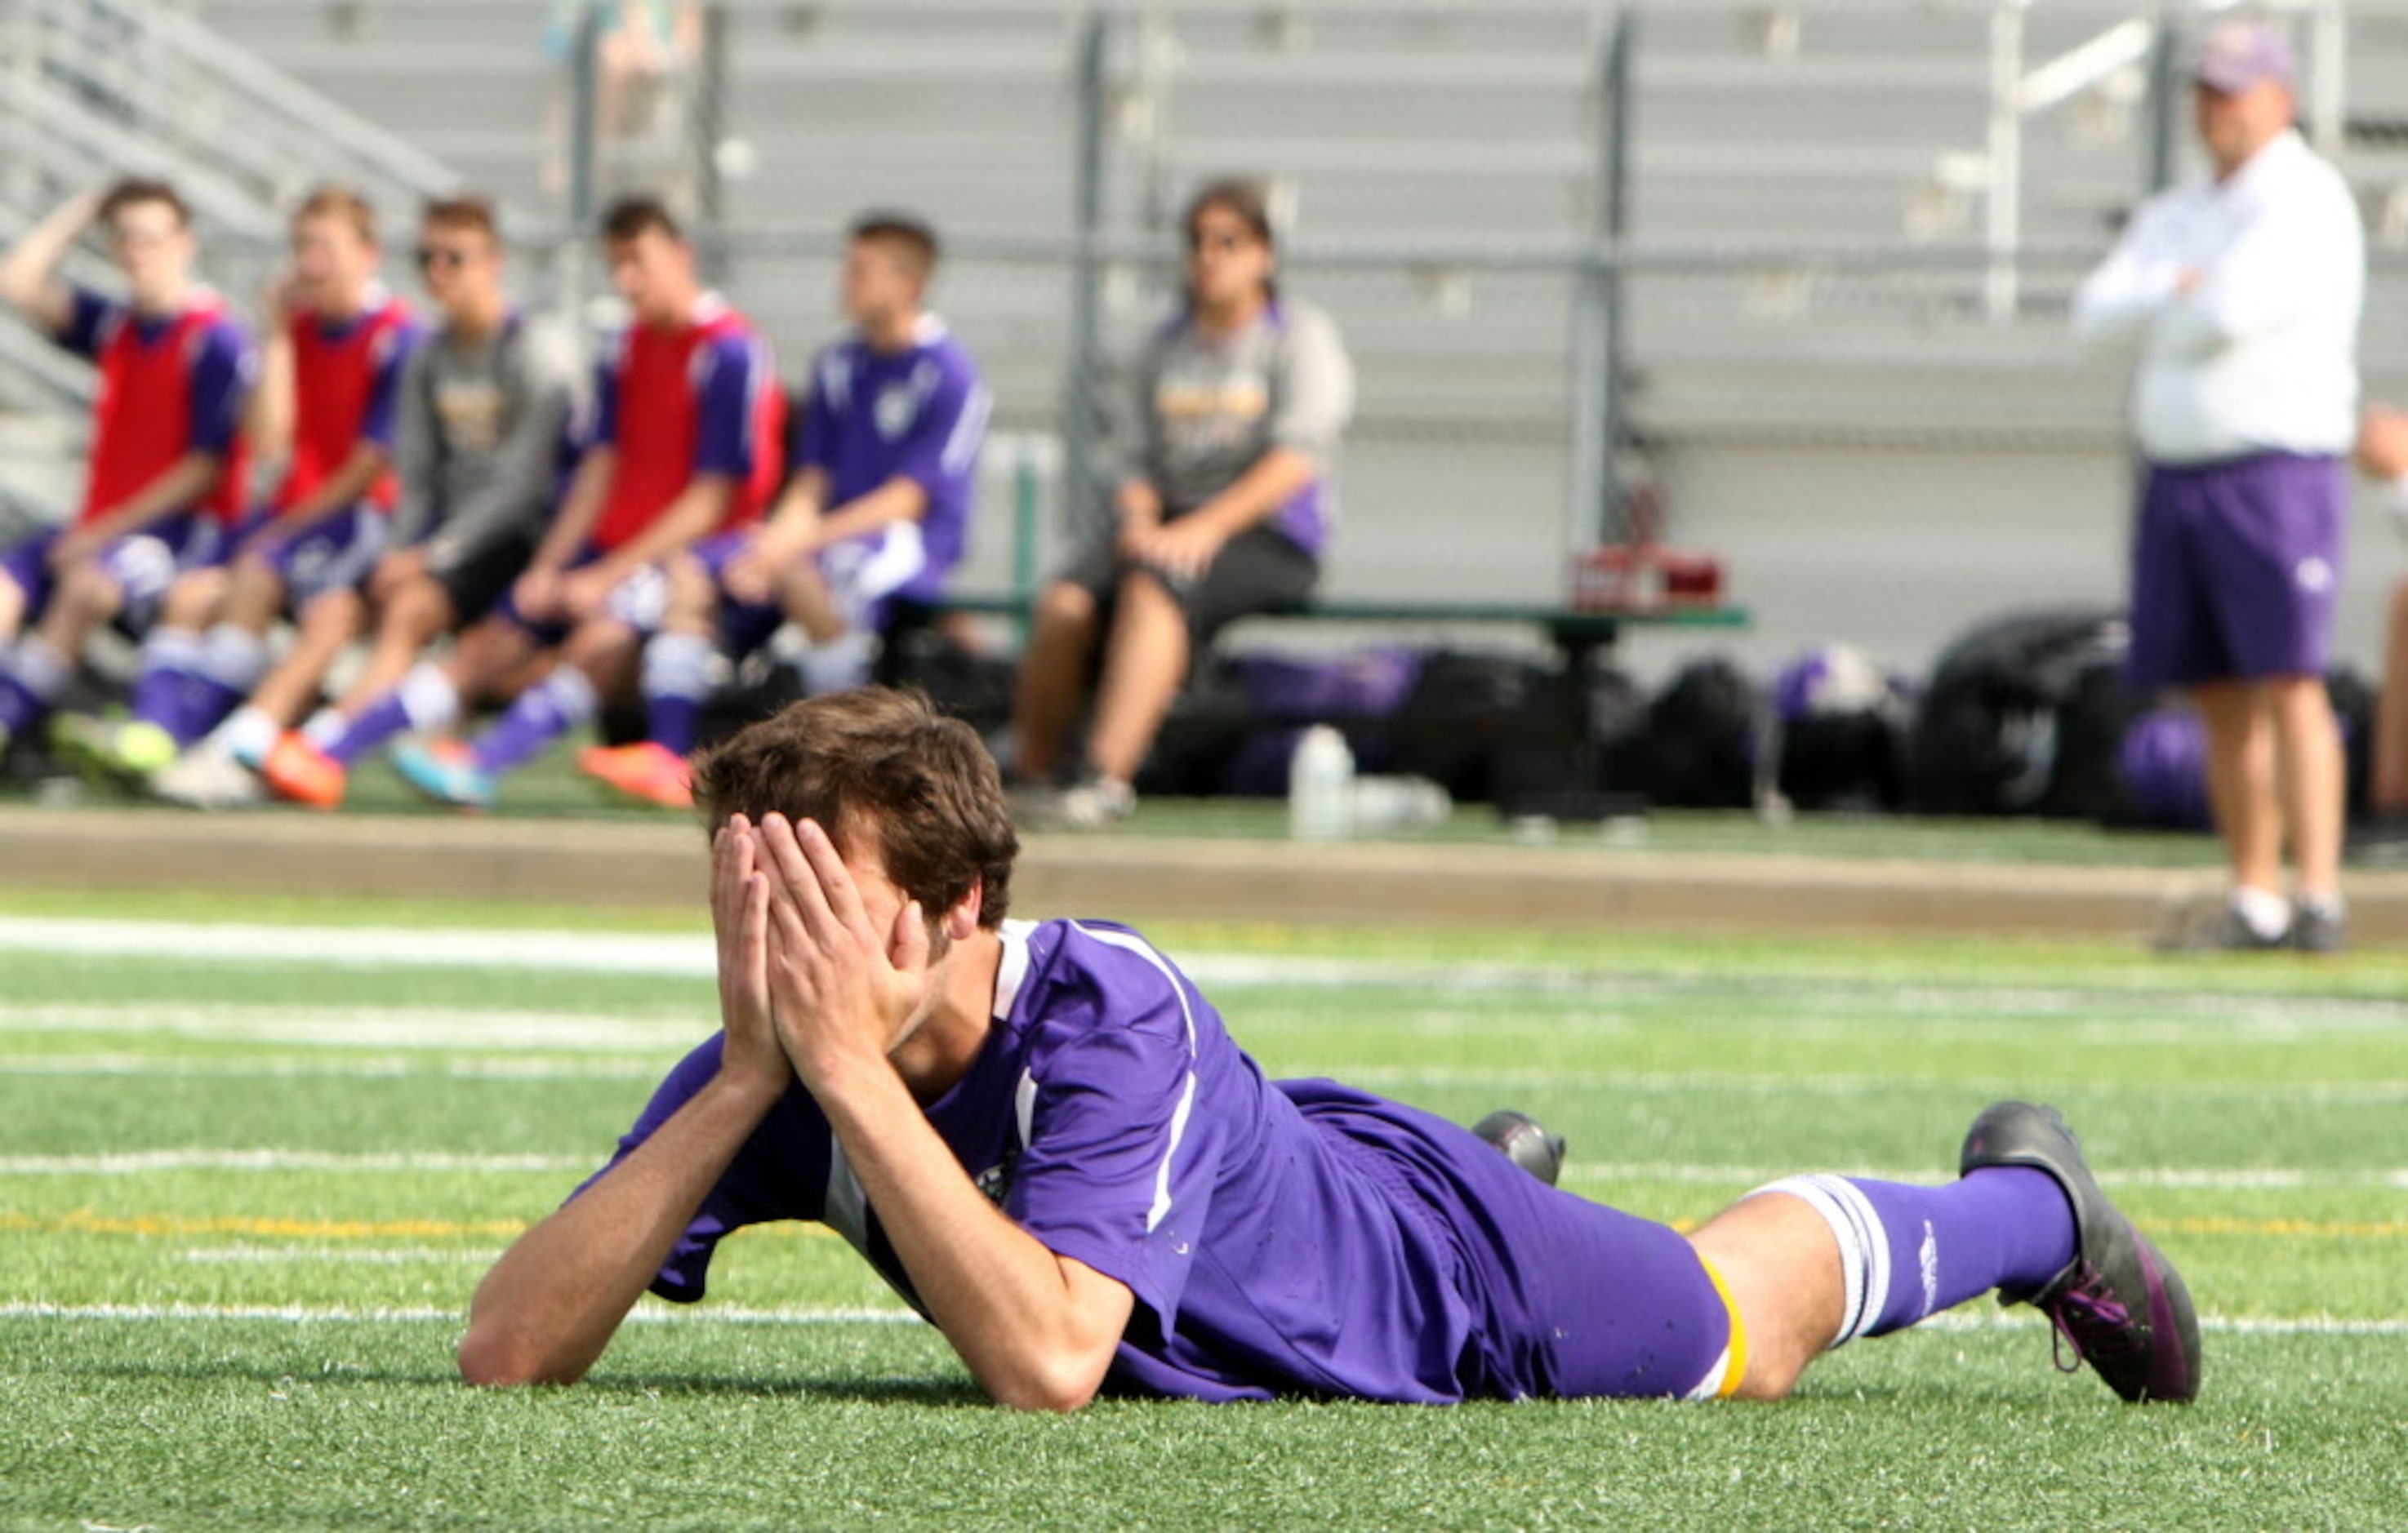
(1043, 1137)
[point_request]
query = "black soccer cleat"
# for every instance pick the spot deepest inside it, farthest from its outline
(1531, 1147)
(2121, 1307)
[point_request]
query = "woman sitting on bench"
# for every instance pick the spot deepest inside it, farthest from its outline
(1223, 509)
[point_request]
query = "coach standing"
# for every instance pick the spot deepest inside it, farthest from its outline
(2239, 295)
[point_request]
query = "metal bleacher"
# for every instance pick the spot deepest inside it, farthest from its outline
(1824, 385)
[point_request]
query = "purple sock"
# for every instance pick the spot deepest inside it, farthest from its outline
(542, 714)
(1909, 1251)
(385, 718)
(159, 696)
(671, 721)
(676, 676)
(199, 706)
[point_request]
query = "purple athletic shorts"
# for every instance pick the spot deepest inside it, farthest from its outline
(143, 566)
(333, 554)
(2236, 569)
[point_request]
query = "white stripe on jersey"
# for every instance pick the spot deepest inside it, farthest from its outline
(848, 1205)
(1161, 1207)
(1024, 1105)
(970, 432)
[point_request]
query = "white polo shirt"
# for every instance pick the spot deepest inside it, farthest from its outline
(2261, 356)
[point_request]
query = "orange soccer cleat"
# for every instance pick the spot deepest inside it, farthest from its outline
(299, 772)
(647, 772)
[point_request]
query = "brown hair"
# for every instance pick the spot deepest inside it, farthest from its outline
(134, 191)
(629, 218)
(340, 202)
(909, 237)
(881, 764)
(1239, 195)
(473, 214)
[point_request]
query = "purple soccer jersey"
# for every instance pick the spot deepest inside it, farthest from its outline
(1278, 1238)
(870, 417)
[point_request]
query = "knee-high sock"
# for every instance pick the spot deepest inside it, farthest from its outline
(171, 667)
(1909, 1251)
(676, 677)
(32, 676)
(232, 662)
(542, 714)
(424, 700)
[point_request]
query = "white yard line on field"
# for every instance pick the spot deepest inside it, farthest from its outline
(1969, 1319)
(690, 957)
(135, 1163)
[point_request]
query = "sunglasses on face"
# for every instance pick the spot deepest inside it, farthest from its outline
(441, 257)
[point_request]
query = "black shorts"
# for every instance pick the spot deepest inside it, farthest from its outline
(1259, 571)
(476, 582)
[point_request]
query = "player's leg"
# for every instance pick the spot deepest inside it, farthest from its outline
(25, 686)
(1159, 626)
(136, 584)
(2311, 777)
(2026, 1218)
(599, 655)
(675, 669)
(2390, 785)
(1145, 661)
(1064, 625)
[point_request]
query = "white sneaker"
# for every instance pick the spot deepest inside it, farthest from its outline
(207, 777)
(1095, 802)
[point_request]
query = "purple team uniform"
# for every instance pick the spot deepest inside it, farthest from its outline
(870, 417)
(1281, 1237)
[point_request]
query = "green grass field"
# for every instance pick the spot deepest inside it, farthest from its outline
(246, 1189)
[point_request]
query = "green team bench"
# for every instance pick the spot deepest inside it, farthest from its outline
(1576, 633)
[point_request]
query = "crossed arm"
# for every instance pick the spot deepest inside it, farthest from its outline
(810, 985)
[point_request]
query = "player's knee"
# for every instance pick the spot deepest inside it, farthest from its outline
(1064, 606)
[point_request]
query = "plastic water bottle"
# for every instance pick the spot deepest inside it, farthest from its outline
(1398, 803)
(1319, 785)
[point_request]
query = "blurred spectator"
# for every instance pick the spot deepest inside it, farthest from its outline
(166, 469)
(884, 463)
(329, 380)
(2239, 294)
(687, 419)
(641, 48)
(483, 417)
(2383, 453)
(1224, 509)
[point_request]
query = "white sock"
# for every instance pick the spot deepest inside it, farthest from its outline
(247, 734)
(429, 699)
(325, 727)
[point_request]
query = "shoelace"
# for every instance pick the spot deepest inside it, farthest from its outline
(2089, 1318)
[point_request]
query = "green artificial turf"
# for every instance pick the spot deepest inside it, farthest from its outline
(243, 1203)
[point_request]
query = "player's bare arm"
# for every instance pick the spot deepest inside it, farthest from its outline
(341, 490)
(28, 273)
(272, 409)
(538, 590)
(1037, 1330)
(180, 485)
(902, 498)
(789, 532)
(1186, 548)
(1140, 505)
(552, 1304)
(698, 509)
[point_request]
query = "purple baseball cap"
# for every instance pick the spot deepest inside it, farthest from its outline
(2237, 54)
